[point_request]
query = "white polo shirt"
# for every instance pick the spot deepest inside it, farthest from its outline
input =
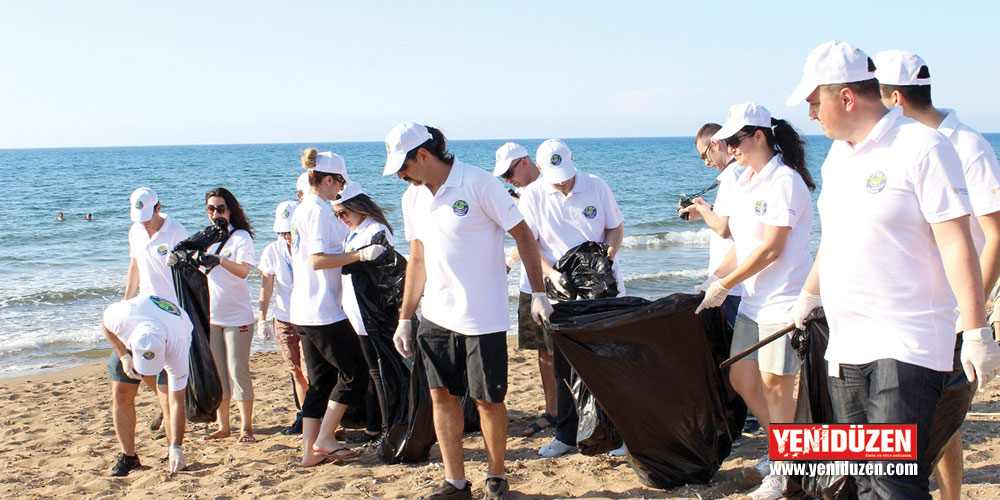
(718, 247)
(121, 318)
(315, 294)
(982, 173)
(228, 295)
(362, 236)
(151, 253)
(881, 277)
(777, 196)
(462, 229)
(276, 261)
(561, 222)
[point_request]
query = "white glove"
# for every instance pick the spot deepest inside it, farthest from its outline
(715, 295)
(556, 278)
(801, 309)
(172, 259)
(541, 308)
(177, 460)
(403, 338)
(128, 367)
(704, 285)
(265, 332)
(370, 252)
(980, 355)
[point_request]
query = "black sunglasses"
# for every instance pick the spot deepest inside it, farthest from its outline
(704, 154)
(341, 214)
(735, 140)
(221, 209)
(510, 171)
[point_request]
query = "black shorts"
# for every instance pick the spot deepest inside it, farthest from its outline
(116, 374)
(335, 366)
(456, 361)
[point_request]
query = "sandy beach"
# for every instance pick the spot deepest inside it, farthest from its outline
(57, 441)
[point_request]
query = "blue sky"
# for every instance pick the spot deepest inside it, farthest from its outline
(140, 73)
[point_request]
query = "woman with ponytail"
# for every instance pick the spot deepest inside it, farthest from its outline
(770, 218)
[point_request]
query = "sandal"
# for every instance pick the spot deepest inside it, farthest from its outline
(534, 428)
(347, 455)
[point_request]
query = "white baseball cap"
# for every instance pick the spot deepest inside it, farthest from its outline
(555, 161)
(283, 216)
(506, 154)
(148, 348)
(330, 163)
(741, 115)
(831, 62)
(142, 202)
(402, 139)
(351, 189)
(899, 67)
(302, 183)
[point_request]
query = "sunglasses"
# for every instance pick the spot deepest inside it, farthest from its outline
(341, 214)
(510, 171)
(704, 154)
(221, 209)
(735, 140)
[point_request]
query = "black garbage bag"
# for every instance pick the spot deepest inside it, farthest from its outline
(587, 273)
(204, 390)
(378, 286)
(654, 368)
(595, 433)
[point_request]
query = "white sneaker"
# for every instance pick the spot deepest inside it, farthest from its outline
(770, 489)
(555, 449)
(763, 465)
(618, 452)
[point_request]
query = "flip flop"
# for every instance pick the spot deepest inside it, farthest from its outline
(351, 454)
(246, 439)
(534, 428)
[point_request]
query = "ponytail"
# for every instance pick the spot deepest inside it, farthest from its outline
(437, 146)
(309, 163)
(785, 140)
(309, 158)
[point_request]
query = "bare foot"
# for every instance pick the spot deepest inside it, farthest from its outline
(317, 460)
(325, 444)
(246, 437)
(219, 434)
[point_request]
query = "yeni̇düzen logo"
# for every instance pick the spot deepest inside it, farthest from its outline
(590, 212)
(460, 208)
(875, 183)
(165, 305)
(760, 208)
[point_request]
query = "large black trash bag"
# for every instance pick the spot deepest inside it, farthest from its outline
(204, 390)
(654, 368)
(595, 433)
(587, 273)
(378, 286)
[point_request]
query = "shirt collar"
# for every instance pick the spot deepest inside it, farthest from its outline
(950, 122)
(882, 127)
(580, 185)
(747, 176)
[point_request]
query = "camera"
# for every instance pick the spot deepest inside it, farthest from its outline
(684, 203)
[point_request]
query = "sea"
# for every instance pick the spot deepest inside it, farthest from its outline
(57, 277)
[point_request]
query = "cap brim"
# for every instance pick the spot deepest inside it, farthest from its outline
(148, 367)
(800, 93)
(558, 175)
(283, 228)
(728, 130)
(140, 214)
(393, 163)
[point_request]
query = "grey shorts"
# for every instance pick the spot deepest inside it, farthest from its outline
(115, 373)
(778, 357)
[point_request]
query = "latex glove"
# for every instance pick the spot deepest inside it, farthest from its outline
(704, 285)
(403, 338)
(172, 259)
(715, 295)
(265, 332)
(801, 309)
(980, 355)
(177, 462)
(557, 282)
(128, 367)
(541, 308)
(371, 252)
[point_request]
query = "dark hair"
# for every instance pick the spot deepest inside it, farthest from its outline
(866, 88)
(363, 204)
(237, 218)
(917, 96)
(782, 138)
(437, 146)
(315, 177)
(706, 132)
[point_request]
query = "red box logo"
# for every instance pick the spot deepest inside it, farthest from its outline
(842, 442)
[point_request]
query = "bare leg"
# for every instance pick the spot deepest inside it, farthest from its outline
(246, 421)
(949, 469)
(301, 386)
(493, 421)
(326, 439)
(151, 383)
(548, 372)
(163, 395)
(222, 420)
(745, 377)
(448, 425)
(310, 429)
(123, 415)
(778, 393)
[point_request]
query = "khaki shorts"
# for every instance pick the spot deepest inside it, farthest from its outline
(530, 335)
(778, 357)
(289, 343)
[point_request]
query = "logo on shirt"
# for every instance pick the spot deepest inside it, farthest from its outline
(295, 237)
(148, 355)
(556, 160)
(138, 204)
(165, 305)
(227, 252)
(961, 191)
(760, 208)
(875, 183)
(590, 212)
(460, 208)
(162, 250)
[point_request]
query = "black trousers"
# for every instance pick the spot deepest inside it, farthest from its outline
(567, 419)
(375, 402)
(335, 367)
